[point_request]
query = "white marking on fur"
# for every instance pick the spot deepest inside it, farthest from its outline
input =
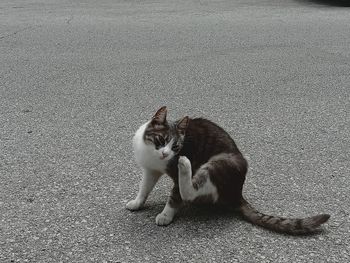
(149, 180)
(147, 156)
(167, 149)
(187, 191)
(166, 216)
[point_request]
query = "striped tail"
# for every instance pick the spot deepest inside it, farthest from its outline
(280, 224)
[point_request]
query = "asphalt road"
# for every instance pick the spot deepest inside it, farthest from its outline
(78, 77)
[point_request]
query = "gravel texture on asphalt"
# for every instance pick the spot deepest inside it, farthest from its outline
(78, 77)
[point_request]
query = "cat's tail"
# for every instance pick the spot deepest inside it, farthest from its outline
(279, 224)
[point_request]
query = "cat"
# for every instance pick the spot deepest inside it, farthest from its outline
(206, 167)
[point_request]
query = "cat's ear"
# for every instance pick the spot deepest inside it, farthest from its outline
(182, 124)
(160, 116)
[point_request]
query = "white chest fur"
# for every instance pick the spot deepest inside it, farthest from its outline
(145, 154)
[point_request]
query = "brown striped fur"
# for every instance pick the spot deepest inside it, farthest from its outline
(214, 156)
(293, 226)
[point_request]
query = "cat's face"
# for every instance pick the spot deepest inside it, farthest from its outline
(166, 138)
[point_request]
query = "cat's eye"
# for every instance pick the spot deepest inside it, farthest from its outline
(175, 148)
(159, 141)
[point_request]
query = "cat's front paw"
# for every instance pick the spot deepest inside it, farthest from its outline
(134, 205)
(184, 165)
(163, 219)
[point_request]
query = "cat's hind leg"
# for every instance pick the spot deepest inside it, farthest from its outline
(197, 187)
(149, 180)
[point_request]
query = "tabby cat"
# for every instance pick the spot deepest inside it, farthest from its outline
(205, 165)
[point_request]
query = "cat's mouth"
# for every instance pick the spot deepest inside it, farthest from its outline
(165, 157)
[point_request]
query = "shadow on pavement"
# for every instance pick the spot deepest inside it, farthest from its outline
(337, 3)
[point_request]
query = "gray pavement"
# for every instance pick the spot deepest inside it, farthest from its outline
(78, 77)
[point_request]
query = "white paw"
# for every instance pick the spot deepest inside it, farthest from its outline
(134, 205)
(163, 219)
(184, 165)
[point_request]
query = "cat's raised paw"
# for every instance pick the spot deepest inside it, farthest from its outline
(184, 164)
(134, 205)
(163, 219)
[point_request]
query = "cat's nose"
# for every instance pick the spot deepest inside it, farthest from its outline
(165, 154)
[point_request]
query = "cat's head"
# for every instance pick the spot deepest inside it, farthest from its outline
(164, 136)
